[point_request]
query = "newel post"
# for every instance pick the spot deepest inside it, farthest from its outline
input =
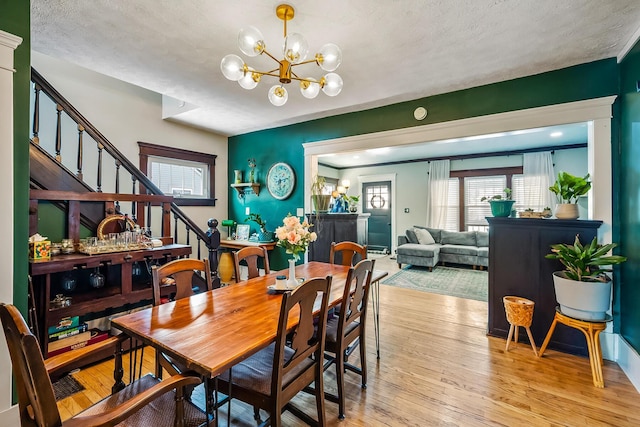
(213, 234)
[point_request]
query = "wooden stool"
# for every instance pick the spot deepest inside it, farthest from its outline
(591, 330)
(519, 313)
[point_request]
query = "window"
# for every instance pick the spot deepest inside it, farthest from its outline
(453, 206)
(377, 197)
(188, 176)
(475, 188)
(466, 188)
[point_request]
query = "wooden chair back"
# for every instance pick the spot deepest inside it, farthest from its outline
(177, 278)
(36, 399)
(347, 253)
(308, 340)
(251, 255)
(355, 299)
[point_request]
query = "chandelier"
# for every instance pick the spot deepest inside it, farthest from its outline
(295, 50)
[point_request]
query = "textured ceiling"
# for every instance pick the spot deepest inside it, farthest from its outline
(392, 50)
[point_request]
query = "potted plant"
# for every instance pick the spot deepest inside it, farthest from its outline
(583, 289)
(500, 205)
(263, 235)
(319, 199)
(568, 189)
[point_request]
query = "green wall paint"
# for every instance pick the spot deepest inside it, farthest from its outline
(585, 81)
(627, 291)
(15, 19)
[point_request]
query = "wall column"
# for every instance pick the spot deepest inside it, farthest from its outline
(8, 43)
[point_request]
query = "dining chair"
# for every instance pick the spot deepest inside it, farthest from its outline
(146, 401)
(180, 278)
(177, 279)
(270, 378)
(347, 253)
(250, 255)
(347, 330)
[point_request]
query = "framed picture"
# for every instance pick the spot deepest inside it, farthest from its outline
(242, 232)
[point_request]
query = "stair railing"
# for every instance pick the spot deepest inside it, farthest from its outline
(67, 115)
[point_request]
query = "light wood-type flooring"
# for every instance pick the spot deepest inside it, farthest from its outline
(439, 368)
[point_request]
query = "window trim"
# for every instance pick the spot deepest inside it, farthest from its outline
(146, 149)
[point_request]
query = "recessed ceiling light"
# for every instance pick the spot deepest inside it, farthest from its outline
(382, 150)
(555, 134)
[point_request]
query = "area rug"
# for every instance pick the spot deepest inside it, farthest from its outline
(66, 386)
(457, 282)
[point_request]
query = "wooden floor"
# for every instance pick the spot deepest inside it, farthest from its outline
(439, 368)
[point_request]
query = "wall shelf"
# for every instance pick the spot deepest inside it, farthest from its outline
(242, 187)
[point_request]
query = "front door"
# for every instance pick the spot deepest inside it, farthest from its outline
(377, 202)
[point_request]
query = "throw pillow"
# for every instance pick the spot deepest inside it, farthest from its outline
(411, 236)
(424, 237)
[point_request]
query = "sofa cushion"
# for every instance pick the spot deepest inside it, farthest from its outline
(467, 238)
(435, 232)
(482, 238)
(459, 250)
(411, 236)
(424, 237)
(483, 252)
(418, 250)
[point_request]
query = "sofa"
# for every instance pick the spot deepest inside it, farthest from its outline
(426, 247)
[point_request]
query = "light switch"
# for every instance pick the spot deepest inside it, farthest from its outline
(406, 210)
(247, 210)
(300, 212)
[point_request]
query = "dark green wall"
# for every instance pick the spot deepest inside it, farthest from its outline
(628, 296)
(576, 83)
(15, 19)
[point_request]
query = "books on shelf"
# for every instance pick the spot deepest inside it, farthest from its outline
(74, 342)
(64, 323)
(65, 333)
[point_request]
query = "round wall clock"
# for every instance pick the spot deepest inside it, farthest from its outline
(281, 180)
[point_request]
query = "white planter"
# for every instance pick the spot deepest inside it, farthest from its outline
(567, 211)
(582, 300)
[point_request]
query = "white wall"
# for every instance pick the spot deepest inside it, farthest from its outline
(411, 180)
(126, 114)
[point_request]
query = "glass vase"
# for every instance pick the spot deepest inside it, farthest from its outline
(292, 282)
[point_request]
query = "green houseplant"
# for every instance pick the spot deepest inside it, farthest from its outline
(319, 199)
(500, 205)
(263, 235)
(568, 189)
(583, 289)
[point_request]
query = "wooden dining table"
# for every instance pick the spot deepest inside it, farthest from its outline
(212, 331)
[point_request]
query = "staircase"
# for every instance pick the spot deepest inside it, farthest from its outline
(99, 164)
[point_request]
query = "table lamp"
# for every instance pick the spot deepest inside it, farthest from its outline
(228, 223)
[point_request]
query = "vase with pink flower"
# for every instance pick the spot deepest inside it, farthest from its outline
(294, 236)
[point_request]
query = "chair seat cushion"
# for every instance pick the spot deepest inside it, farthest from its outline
(158, 413)
(254, 373)
(332, 331)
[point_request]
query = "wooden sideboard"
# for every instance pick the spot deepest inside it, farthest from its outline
(336, 227)
(517, 266)
(122, 286)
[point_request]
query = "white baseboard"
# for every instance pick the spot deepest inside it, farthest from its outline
(10, 417)
(629, 360)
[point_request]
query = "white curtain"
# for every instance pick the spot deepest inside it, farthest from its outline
(437, 193)
(537, 170)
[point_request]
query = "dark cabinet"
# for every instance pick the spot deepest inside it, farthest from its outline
(125, 281)
(517, 266)
(338, 227)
